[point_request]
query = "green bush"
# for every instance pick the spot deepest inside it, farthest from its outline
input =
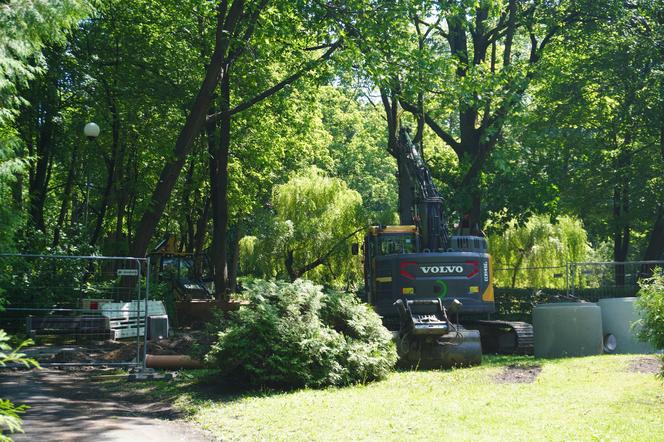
(10, 419)
(651, 307)
(295, 335)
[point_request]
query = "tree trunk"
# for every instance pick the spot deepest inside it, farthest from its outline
(187, 228)
(123, 190)
(655, 248)
(219, 182)
(111, 168)
(226, 24)
(621, 232)
(199, 238)
(393, 115)
(17, 192)
(234, 258)
(292, 274)
(39, 183)
(69, 184)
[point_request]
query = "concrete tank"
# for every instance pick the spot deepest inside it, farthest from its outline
(567, 329)
(618, 314)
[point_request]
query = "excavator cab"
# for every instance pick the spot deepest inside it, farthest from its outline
(395, 243)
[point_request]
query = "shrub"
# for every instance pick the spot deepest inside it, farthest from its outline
(294, 335)
(651, 307)
(10, 419)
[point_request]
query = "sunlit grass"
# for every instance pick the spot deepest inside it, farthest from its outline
(593, 398)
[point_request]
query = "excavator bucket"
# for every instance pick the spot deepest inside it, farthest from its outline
(428, 340)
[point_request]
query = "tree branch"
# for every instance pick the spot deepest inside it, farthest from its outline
(442, 134)
(251, 25)
(317, 47)
(322, 259)
(279, 86)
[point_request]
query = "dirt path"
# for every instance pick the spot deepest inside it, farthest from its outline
(68, 406)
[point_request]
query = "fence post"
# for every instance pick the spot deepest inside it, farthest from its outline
(147, 295)
(573, 277)
(138, 310)
(567, 278)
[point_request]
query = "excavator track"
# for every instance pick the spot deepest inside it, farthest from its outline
(504, 337)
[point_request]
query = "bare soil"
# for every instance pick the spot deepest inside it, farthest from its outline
(518, 374)
(112, 351)
(646, 364)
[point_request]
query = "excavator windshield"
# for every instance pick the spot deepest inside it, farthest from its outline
(395, 244)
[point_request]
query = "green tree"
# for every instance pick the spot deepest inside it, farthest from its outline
(529, 252)
(651, 306)
(25, 28)
(357, 151)
(316, 218)
(295, 335)
(463, 69)
(594, 131)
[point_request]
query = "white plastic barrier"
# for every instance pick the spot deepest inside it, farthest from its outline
(126, 317)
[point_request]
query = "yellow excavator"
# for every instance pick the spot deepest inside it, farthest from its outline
(433, 289)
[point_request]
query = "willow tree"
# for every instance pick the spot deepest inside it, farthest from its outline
(535, 254)
(315, 219)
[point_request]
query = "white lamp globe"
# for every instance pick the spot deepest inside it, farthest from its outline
(91, 130)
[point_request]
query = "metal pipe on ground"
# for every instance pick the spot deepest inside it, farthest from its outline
(172, 362)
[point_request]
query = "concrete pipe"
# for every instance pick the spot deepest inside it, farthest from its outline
(172, 362)
(567, 329)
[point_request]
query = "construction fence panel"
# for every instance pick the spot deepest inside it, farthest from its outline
(78, 310)
(592, 281)
(518, 289)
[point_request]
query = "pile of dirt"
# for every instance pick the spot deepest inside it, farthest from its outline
(115, 351)
(518, 374)
(126, 351)
(68, 356)
(123, 353)
(180, 345)
(647, 364)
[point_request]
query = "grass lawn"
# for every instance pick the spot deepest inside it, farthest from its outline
(593, 398)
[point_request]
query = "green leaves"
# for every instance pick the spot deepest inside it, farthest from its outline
(14, 355)
(651, 307)
(538, 245)
(10, 419)
(26, 26)
(295, 335)
(316, 218)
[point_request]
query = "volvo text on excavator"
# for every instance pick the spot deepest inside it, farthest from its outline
(433, 288)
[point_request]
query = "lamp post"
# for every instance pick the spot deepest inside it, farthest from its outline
(91, 131)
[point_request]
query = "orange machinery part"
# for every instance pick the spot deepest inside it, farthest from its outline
(172, 362)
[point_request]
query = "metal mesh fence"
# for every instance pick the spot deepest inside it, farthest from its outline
(78, 310)
(592, 281)
(518, 290)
